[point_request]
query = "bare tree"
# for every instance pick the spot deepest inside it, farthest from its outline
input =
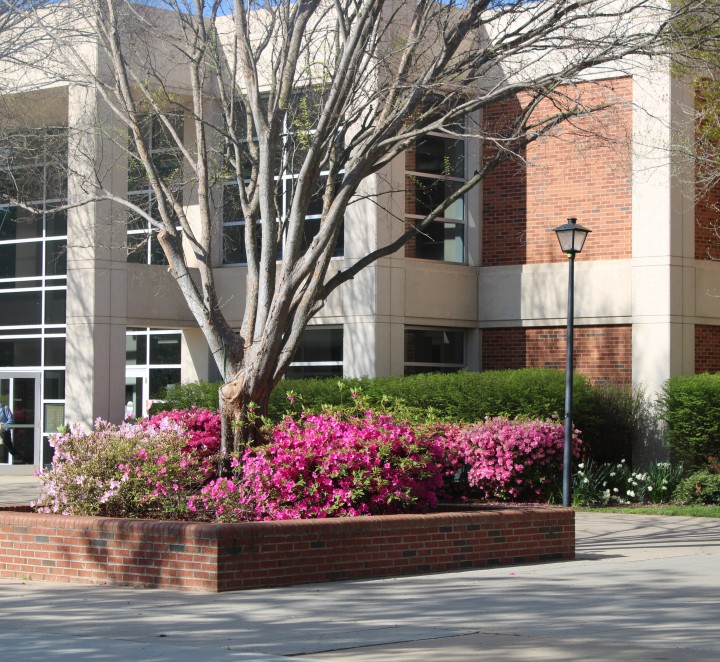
(329, 91)
(19, 38)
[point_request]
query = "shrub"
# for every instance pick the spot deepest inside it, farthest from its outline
(325, 466)
(702, 487)
(613, 417)
(461, 397)
(458, 397)
(203, 429)
(608, 415)
(127, 471)
(189, 395)
(690, 406)
(513, 460)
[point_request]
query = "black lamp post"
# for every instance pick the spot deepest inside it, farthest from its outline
(571, 237)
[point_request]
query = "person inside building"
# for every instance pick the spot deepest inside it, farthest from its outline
(6, 420)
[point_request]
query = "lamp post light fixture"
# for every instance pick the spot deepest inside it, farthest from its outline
(571, 237)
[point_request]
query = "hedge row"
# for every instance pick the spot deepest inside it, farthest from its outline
(605, 414)
(690, 407)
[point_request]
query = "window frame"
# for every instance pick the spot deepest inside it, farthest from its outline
(412, 218)
(443, 366)
(47, 160)
(322, 363)
(143, 370)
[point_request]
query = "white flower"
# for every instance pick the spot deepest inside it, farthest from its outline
(586, 481)
(616, 490)
(649, 488)
(630, 493)
(604, 483)
(612, 474)
(581, 466)
(664, 488)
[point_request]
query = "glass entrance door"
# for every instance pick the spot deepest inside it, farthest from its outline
(21, 449)
(136, 393)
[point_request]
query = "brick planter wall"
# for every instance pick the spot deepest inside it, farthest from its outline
(226, 557)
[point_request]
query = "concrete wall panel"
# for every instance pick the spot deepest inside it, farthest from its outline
(440, 291)
(534, 294)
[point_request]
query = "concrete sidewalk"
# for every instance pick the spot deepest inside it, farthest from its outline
(18, 489)
(642, 588)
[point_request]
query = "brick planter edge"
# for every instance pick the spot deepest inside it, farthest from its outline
(195, 556)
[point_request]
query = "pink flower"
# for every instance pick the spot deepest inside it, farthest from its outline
(501, 454)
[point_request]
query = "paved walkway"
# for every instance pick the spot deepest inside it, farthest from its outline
(18, 489)
(642, 588)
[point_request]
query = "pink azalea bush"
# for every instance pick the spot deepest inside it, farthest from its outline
(335, 464)
(131, 470)
(203, 430)
(330, 466)
(513, 459)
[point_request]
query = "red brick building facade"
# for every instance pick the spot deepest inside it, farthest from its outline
(603, 353)
(707, 348)
(585, 171)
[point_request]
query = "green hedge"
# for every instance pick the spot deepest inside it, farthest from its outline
(462, 396)
(604, 414)
(702, 487)
(690, 407)
(189, 394)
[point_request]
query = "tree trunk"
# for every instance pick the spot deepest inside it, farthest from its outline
(244, 403)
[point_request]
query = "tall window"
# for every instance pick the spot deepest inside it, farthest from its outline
(298, 131)
(152, 363)
(33, 271)
(434, 350)
(320, 354)
(142, 243)
(434, 170)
